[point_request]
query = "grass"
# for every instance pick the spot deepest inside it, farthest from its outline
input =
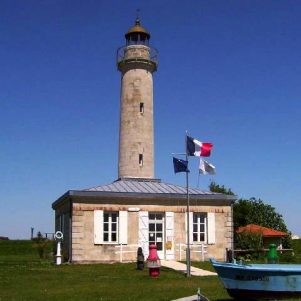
(25, 277)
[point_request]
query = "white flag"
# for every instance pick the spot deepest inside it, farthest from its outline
(206, 168)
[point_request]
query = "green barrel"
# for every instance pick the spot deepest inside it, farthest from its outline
(272, 254)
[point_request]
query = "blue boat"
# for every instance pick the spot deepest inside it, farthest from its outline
(260, 281)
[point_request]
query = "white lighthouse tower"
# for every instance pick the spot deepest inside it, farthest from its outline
(136, 61)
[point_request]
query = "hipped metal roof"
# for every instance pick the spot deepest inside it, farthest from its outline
(144, 188)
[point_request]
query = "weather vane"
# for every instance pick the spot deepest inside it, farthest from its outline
(137, 12)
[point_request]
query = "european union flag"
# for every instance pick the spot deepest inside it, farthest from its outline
(180, 165)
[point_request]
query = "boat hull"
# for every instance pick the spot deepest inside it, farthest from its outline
(261, 294)
(260, 281)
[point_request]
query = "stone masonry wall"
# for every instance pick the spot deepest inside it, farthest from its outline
(84, 249)
(136, 128)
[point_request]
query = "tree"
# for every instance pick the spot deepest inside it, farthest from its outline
(254, 211)
(220, 189)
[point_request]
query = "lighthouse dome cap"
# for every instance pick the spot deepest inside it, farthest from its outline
(137, 28)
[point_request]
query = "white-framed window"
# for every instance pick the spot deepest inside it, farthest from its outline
(110, 226)
(199, 227)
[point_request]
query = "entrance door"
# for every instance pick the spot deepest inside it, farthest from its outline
(156, 232)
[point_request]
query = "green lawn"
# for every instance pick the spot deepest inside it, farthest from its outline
(23, 276)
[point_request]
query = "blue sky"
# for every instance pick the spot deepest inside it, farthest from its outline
(229, 73)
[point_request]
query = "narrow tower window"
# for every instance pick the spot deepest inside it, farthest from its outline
(140, 160)
(141, 107)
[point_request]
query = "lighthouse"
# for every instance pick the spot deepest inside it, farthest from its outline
(137, 209)
(136, 61)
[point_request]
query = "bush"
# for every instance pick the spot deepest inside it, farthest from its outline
(296, 246)
(249, 241)
(43, 245)
(287, 257)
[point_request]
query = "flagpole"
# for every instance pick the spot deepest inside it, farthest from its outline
(188, 274)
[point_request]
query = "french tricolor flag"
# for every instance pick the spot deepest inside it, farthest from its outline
(197, 148)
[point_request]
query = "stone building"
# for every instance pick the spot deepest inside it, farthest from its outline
(107, 223)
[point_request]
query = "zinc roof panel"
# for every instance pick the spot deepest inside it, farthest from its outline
(132, 187)
(152, 187)
(144, 186)
(161, 188)
(123, 187)
(136, 187)
(176, 189)
(149, 187)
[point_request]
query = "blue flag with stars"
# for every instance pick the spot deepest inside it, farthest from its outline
(180, 165)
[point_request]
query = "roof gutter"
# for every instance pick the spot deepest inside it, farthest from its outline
(177, 196)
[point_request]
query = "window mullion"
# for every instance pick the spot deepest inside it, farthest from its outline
(198, 221)
(110, 227)
(205, 228)
(117, 229)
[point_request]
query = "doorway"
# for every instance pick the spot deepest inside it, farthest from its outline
(156, 232)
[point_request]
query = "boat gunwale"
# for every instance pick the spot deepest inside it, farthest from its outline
(296, 268)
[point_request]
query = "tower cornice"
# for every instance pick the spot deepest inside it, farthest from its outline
(137, 57)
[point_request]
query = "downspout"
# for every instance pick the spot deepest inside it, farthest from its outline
(232, 230)
(70, 230)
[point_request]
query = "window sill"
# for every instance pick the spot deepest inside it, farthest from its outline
(107, 243)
